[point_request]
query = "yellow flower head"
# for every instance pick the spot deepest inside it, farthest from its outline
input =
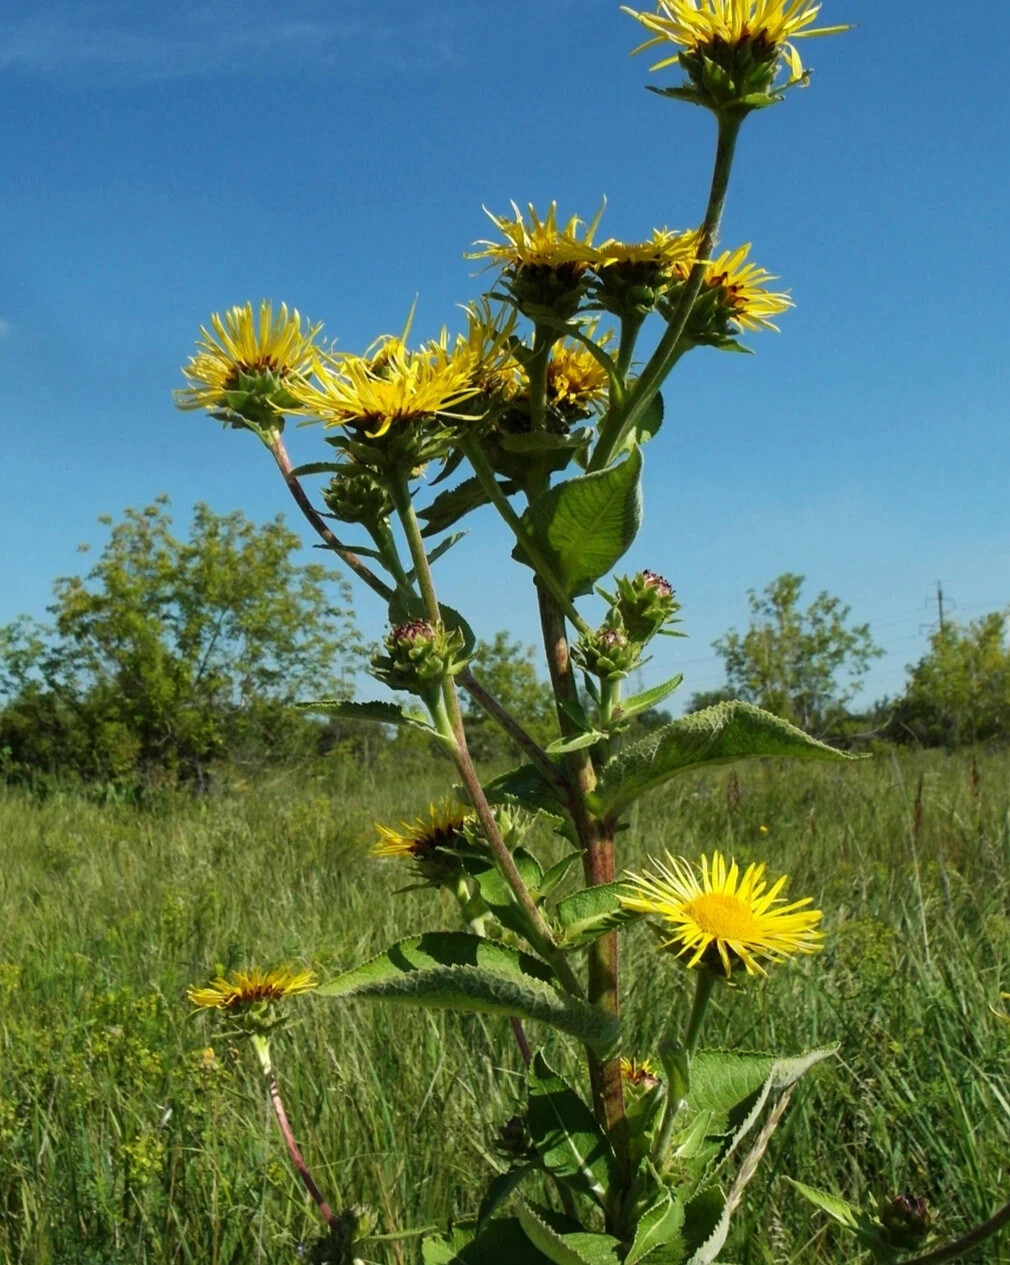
(246, 988)
(576, 381)
(246, 345)
(390, 387)
(663, 250)
(705, 25)
(722, 917)
(539, 243)
(485, 347)
(741, 287)
(441, 829)
(640, 1073)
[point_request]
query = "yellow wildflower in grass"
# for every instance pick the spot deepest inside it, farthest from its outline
(246, 988)
(442, 828)
(539, 243)
(642, 1073)
(663, 250)
(244, 344)
(391, 387)
(739, 287)
(722, 917)
(700, 25)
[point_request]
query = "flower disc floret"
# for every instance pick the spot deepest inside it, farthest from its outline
(249, 988)
(245, 350)
(722, 918)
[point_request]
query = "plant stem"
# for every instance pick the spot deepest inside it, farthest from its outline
(262, 1048)
(348, 556)
(500, 501)
(528, 745)
(630, 326)
(620, 420)
(450, 724)
(951, 1251)
(702, 994)
(536, 370)
(598, 866)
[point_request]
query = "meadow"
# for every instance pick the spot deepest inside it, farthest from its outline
(131, 1131)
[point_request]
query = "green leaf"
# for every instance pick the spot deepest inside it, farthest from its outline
(527, 786)
(449, 507)
(441, 548)
(570, 1143)
(562, 745)
(501, 1242)
(647, 426)
(500, 1188)
(454, 970)
(591, 912)
(706, 1225)
(318, 467)
(584, 525)
(576, 1247)
(497, 894)
(648, 698)
(542, 441)
(377, 712)
(556, 873)
(658, 1227)
(846, 1214)
(717, 735)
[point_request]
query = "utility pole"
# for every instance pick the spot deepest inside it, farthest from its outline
(939, 603)
(943, 602)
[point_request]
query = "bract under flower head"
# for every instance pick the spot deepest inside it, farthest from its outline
(247, 988)
(540, 242)
(723, 918)
(442, 828)
(244, 351)
(703, 25)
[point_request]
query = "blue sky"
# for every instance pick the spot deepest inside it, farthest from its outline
(164, 161)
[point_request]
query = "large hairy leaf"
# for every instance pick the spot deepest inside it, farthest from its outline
(717, 735)
(380, 713)
(453, 970)
(566, 1247)
(584, 525)
(449, 507)
(570, 1143)
(591, 912)
(501, 1242)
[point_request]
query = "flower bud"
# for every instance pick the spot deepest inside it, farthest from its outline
(904, 1220)
(513, 1139)
(645, 603)
(608, 653)
(420, 655)
(355, 495)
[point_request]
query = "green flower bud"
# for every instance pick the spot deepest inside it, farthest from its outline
(645, 603)
(904, 1220)
(513, 1139)
(420, 656)
(608, 653)
(355, 495)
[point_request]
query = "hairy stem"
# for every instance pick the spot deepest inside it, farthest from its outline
(538, 931)
(348, 556)
(262, 1047)
(621, 420)
(951, 1251)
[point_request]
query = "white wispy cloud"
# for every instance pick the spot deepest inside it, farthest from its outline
(113, 42)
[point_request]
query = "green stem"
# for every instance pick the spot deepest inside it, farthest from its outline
(704, 984)
(702, 995)
(485, 475)
(630, 327)
(536, 370)
(448, 720)
(386, 545)
(640, 396)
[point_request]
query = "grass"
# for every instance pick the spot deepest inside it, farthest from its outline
(122, 1139)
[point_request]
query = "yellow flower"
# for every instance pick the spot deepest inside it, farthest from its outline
(242, 346)
(763, 829)
(441, 829)
(1001, 1014)
(739, 288)
(246, 988)
(575, 378)
(540, 243)
(722, 917)
(392, 386)
(664, 249)
(694, 25)
(485, 347)
(641, 1073)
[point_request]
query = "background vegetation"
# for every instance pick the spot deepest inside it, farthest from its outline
(124, 1139)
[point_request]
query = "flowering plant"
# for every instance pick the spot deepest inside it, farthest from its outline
(552, 414)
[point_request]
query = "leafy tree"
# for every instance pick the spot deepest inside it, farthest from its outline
(803, 665)
(505, 668)
(959, 691)
(172, 652)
